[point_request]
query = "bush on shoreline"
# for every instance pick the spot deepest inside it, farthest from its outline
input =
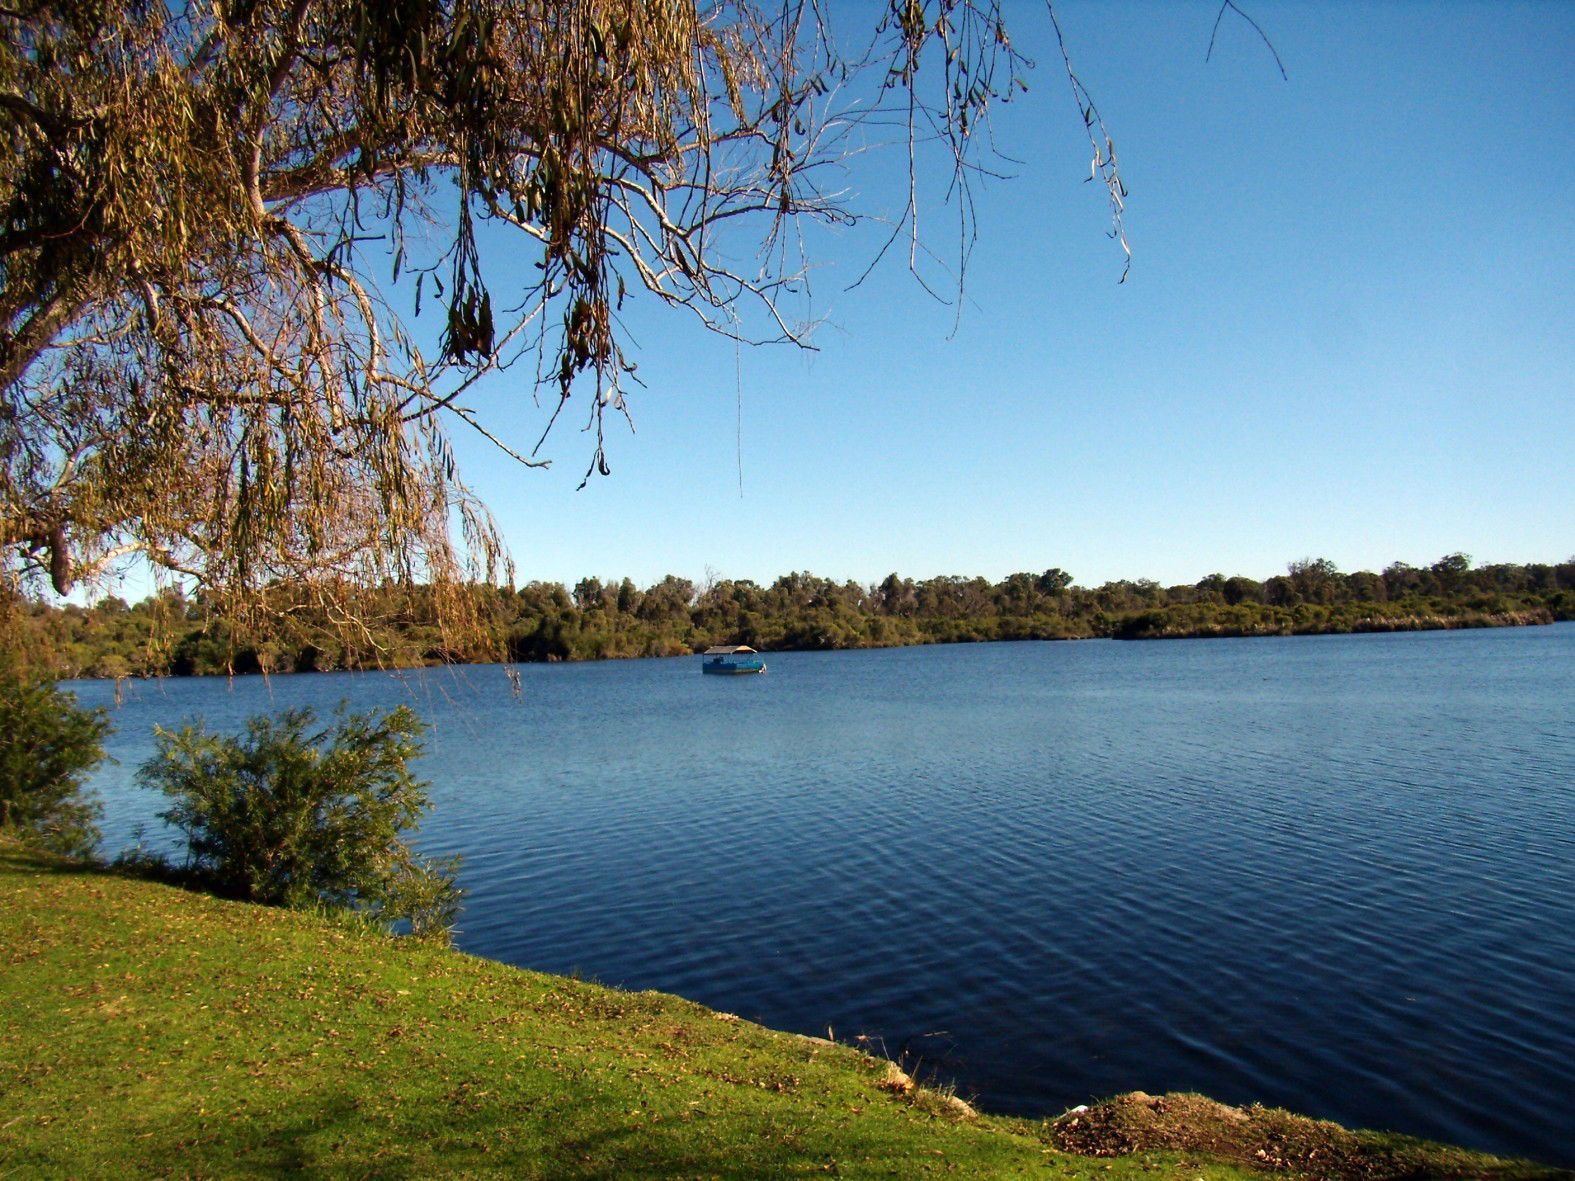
(291, 814)
(48, 744)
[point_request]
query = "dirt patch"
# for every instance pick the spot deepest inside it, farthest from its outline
(1272, 1140)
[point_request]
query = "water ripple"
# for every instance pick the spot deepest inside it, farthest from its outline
(1334, 874)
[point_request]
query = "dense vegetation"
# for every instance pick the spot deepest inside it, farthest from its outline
(541, 621)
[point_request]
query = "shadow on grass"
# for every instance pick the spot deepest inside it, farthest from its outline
(318, 1135)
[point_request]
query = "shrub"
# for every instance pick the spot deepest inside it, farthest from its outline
(48, 744)
(291, 815)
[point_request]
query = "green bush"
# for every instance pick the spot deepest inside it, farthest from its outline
(291, 815)
(48, 744)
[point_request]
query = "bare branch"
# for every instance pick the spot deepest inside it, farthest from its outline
(1264, 37)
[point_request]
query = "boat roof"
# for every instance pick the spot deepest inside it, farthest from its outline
(726, 649)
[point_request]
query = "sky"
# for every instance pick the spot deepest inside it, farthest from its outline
(1347, 332)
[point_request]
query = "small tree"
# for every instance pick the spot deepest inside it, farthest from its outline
(292, 815)
(48, 744)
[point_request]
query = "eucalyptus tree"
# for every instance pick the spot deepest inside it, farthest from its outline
(219, 222)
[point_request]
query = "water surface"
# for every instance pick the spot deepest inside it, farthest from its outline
(1334, 874)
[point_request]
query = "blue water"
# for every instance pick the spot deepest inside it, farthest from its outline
(1334, 874)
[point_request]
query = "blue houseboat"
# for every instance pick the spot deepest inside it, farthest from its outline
(732, 659)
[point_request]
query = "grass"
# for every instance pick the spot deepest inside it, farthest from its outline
(147, 1031)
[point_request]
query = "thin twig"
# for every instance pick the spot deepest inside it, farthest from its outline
(1219, 16)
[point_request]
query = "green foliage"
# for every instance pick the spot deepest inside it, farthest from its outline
(543, 621)
(48, 744)
(292, 815)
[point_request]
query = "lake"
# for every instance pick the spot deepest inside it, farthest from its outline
(1334, 874)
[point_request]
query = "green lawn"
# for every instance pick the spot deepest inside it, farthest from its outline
(151, 1032)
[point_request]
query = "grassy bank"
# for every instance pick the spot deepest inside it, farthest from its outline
(152, 1032)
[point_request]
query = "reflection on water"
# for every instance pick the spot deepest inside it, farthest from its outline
(1335, 874)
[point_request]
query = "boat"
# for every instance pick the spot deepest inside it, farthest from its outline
(732, 659)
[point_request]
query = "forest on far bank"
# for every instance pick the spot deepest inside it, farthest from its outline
(171, 633)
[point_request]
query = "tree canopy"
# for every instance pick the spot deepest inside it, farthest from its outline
(597, 620)
(219, 222)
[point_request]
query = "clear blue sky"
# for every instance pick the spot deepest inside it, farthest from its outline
(1347, 333)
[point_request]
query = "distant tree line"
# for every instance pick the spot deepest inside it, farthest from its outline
(170, 633)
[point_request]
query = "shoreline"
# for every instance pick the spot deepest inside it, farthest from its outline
(158, 1029)
(1162, 624)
